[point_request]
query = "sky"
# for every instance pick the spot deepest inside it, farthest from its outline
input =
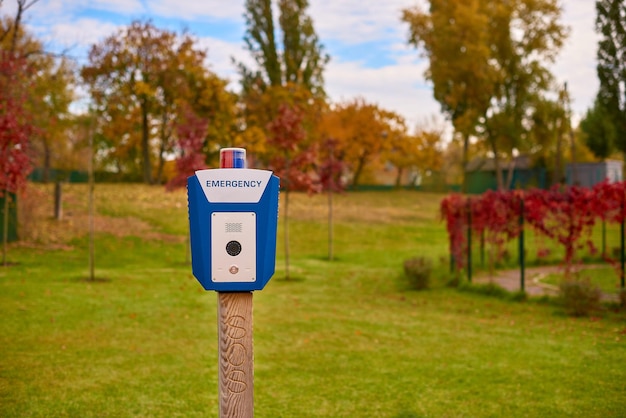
(366, 40)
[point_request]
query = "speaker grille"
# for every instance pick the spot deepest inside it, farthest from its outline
(233, 226)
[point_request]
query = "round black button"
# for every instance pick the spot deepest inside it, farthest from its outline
(233, 248)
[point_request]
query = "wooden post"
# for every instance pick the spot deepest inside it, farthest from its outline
(522, 258)
(623, 261)
(5, 231)
(603, 238)
(236, 361)
(58, 201)
(92, 186)
(469, 240)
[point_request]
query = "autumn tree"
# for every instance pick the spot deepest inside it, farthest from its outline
(53, 87)
(192, 131)
(297, 58)
(455, 38)
(262, 108)
(139, 78)
(364, 133)
(289, 64)
(15, 121)
(611, 66)
(14, 138)
(292, 161)
(525, 37)
(599, 131)
(402, 155)
(546, 134)
(282, 96)
(487, 63)
(330, 171)
(421, 152)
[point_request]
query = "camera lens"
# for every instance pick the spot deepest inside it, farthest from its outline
(233, 248)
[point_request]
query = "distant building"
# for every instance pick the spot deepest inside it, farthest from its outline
(589, 174)
(481, 174)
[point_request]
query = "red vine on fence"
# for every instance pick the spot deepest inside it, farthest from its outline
(564, 214)
(609, 206)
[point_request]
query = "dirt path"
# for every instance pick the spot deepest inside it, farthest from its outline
(510, 280)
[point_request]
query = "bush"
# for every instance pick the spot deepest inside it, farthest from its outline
(418, 271)
(580, 297)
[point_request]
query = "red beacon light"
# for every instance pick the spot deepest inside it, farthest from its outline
(232, 158)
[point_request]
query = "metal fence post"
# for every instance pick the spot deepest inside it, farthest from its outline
(522, 258)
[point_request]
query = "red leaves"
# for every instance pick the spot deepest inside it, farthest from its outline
(15, 128)
(495, 213)
(565, 215)
(609, 202)
(453, 210)
(191, 135)
(294, 159)
(331, 169)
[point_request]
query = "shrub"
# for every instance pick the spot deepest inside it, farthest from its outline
(453, 280)
(418, 271)
(579, 297)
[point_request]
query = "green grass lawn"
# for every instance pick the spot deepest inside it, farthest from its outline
(603, 277)
(345, 338)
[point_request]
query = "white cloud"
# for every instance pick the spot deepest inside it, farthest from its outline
(80, 34)
(50, 11)
(219, 57)
(124, 7)
(357, 21)
(576, 64)
(59, 26)
(198, 9)
(400, 88)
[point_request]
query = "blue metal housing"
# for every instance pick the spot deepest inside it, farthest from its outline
(200, 212)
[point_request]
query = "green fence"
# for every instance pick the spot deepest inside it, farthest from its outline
(479, 182)
(12, 218)
(53, 175)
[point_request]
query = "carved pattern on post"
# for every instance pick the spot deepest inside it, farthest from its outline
(236, 368)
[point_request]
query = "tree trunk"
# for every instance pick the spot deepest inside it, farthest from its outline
(165, 136)
(145, 142)
(464, 162)
(47, 154)
(5, 231)
(399, 177)
(330, 225)
(558, 164)
(358, 172)
(58, 200)
(92, 185)
(160, 165)
(510, 174)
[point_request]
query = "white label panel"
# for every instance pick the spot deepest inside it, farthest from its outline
(233, 247)
(233, 185)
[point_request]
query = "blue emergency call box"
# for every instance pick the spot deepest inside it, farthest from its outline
(233, 217)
